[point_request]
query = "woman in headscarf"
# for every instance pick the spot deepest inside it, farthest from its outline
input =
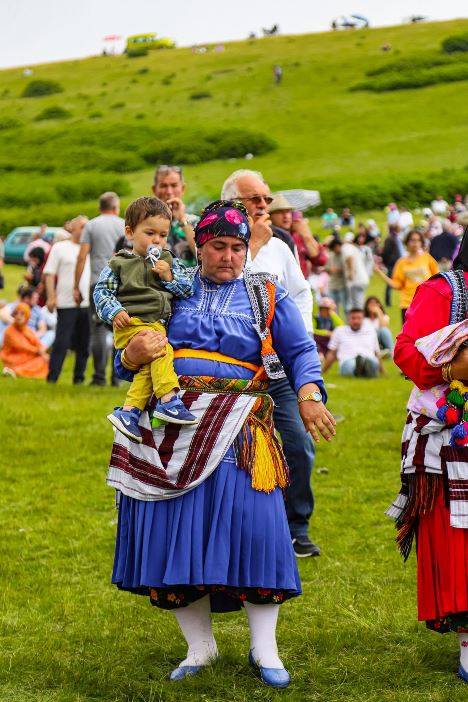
(433, 502)
(202, 524)
(22, 353)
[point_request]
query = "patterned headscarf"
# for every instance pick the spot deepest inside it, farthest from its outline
(223, 218)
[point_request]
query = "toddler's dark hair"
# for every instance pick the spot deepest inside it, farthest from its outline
(144, 207)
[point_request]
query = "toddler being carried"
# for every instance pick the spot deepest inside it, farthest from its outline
(134, 293)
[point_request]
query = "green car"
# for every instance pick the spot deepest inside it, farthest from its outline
(19, 238)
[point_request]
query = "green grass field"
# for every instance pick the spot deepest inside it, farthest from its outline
(67, 635)
(326, 135)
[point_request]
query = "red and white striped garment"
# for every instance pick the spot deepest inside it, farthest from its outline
(174, 458)
(426, 448)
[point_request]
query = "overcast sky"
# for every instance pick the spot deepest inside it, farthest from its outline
(35, 31)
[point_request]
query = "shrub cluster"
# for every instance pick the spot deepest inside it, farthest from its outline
(455, 43)
(58, 189)
(414, 78)
(53, 112)
(120, 147)
(9, 123)
(38, 88)
(136, 51)
(189, 147)
(418, 61)
(412, 191)
(200, 95)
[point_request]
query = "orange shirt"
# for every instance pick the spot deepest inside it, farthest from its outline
(409, 273)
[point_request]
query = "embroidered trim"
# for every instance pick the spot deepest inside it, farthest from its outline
(459, 304)
(261, 289)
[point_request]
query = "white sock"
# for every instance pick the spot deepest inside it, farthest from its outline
(262, 624)
(463, 639)
(195, 624)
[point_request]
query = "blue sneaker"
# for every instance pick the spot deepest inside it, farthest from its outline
(174, 412)
(273, 677)
(126, 421)
(462, 673)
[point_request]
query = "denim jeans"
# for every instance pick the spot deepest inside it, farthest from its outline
(339, 298)
(385, 338)
(349, 366)
(300, 453)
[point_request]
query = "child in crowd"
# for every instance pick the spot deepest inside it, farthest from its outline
(133, 293)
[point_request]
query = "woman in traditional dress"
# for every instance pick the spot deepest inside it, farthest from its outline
(202, 524)
(22, 353)
(433, 502)
(410, 270)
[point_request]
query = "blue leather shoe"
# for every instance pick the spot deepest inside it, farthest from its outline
(274, 677)
(463, 674)
(185, 671)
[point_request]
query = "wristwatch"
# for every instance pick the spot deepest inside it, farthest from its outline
(316, 396)
(184, 223)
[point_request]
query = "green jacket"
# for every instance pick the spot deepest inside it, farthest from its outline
(140, 291)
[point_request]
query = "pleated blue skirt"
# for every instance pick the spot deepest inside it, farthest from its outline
(223, 532)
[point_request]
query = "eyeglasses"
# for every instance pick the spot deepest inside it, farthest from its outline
(257, 199)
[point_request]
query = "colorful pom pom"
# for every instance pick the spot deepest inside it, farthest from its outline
(455, 398)
(452, 416)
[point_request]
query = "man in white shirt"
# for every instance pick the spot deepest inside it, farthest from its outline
(72, 319)
(99, 239)
(356, 276)
(355, 346)
(269, 254)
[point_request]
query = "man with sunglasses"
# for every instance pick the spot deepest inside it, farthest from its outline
(169, 186)
(268, 254)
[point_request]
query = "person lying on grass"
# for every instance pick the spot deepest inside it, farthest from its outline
(134, 293)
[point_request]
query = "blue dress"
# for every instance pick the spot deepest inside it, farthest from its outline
(223, 536)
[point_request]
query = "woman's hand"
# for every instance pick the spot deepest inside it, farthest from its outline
(317, 420)
(145, 347)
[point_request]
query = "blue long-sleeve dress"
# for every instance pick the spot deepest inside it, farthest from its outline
(222, 537)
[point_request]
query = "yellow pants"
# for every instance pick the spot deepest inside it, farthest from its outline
(158, 376)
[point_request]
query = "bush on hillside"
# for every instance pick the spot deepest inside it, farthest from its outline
(54, 112)
(200, 95)
(189, 147)
(57, 188)
(9, 123)
(417, 78)
(429, 60)
(88, 186)
(413, 191)
(136, 51)
(39, 88)
(455, 43)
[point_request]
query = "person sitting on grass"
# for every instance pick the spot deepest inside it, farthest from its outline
(325, 322)
(133, 294)
(356, 347)
(375, 313)
(23, 354)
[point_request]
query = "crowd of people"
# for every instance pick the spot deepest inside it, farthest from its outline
(251, 287)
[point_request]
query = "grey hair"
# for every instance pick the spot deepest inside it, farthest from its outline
(108, 201)
(229, 191)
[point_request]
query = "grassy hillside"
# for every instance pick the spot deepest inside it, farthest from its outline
(121, 110)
